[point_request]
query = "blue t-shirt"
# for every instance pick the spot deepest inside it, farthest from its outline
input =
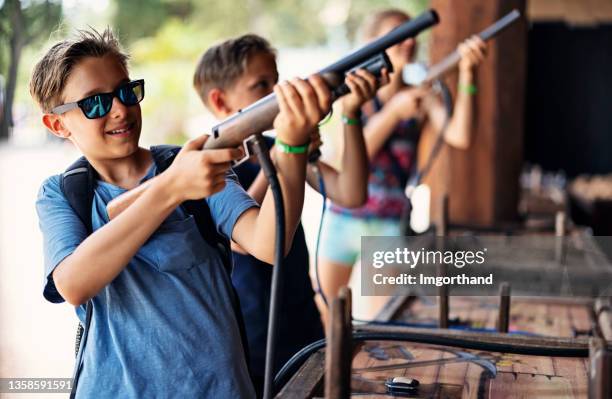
(299, 319)
(165, 326)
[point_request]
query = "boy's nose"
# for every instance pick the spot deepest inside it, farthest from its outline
(118, 109)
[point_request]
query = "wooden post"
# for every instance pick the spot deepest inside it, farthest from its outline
(560, 232)
(441, 233)
(600, 370)
(483, 181)
(503, 321)
(603, 316)
(442, 219)
(338, 352)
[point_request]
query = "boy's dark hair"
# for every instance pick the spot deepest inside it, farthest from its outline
(221, 65)
(52, 71)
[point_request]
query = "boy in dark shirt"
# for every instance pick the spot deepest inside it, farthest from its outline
(230, 76)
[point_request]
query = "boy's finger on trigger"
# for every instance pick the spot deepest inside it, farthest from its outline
(196, 143)
(222, 155)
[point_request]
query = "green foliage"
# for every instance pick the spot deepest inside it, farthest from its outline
(166, 37)
(36, 18)
(137, 19)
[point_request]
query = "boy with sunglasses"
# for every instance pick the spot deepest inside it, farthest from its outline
(163, 323)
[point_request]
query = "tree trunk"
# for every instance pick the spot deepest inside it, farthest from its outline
(17, 41)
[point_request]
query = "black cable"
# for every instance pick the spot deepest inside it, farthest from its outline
(260, 148)
(291, 367)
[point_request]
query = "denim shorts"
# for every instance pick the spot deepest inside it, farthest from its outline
(341, 235)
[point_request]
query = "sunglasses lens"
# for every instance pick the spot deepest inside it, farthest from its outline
(132, 93)
(97, 106)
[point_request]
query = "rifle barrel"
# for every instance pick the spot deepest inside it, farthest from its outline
(259, 116)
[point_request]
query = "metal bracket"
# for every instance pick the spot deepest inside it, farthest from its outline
(247, 151)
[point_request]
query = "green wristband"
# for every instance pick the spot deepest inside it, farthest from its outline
(350, 121)
(291, 149)
(467, 88)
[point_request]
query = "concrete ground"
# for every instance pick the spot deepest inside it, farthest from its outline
(36, 337)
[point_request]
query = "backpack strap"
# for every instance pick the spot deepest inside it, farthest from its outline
(77, 184)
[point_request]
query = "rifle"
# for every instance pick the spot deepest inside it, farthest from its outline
(259, 116)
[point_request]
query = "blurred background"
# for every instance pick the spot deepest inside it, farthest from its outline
(541, 143)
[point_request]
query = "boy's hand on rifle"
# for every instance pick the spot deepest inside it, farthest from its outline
(302, 104)
(197, 173)
(363, 87)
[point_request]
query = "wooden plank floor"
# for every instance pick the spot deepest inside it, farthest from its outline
(547, 318)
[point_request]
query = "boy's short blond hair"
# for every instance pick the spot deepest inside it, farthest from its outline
(221, 65)
(52, 71)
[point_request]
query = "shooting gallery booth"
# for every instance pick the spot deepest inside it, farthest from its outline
(534, 187)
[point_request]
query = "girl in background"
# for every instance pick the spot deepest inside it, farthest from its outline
(393, 123)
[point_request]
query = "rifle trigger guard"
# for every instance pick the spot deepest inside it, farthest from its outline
(247, 151)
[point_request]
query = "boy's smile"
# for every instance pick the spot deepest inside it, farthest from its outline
(114, 135)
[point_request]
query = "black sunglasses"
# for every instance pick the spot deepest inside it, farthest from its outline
(98, 105)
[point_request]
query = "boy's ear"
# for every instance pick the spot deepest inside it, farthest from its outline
(216, 100)
(55, 125)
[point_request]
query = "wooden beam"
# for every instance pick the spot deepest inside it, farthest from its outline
(483, 181)
(603, 316)
(338, 353)
(517, 341)
(503, 321)
(600, 370)
(307, 381)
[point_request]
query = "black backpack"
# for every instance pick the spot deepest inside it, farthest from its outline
(78, 183)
